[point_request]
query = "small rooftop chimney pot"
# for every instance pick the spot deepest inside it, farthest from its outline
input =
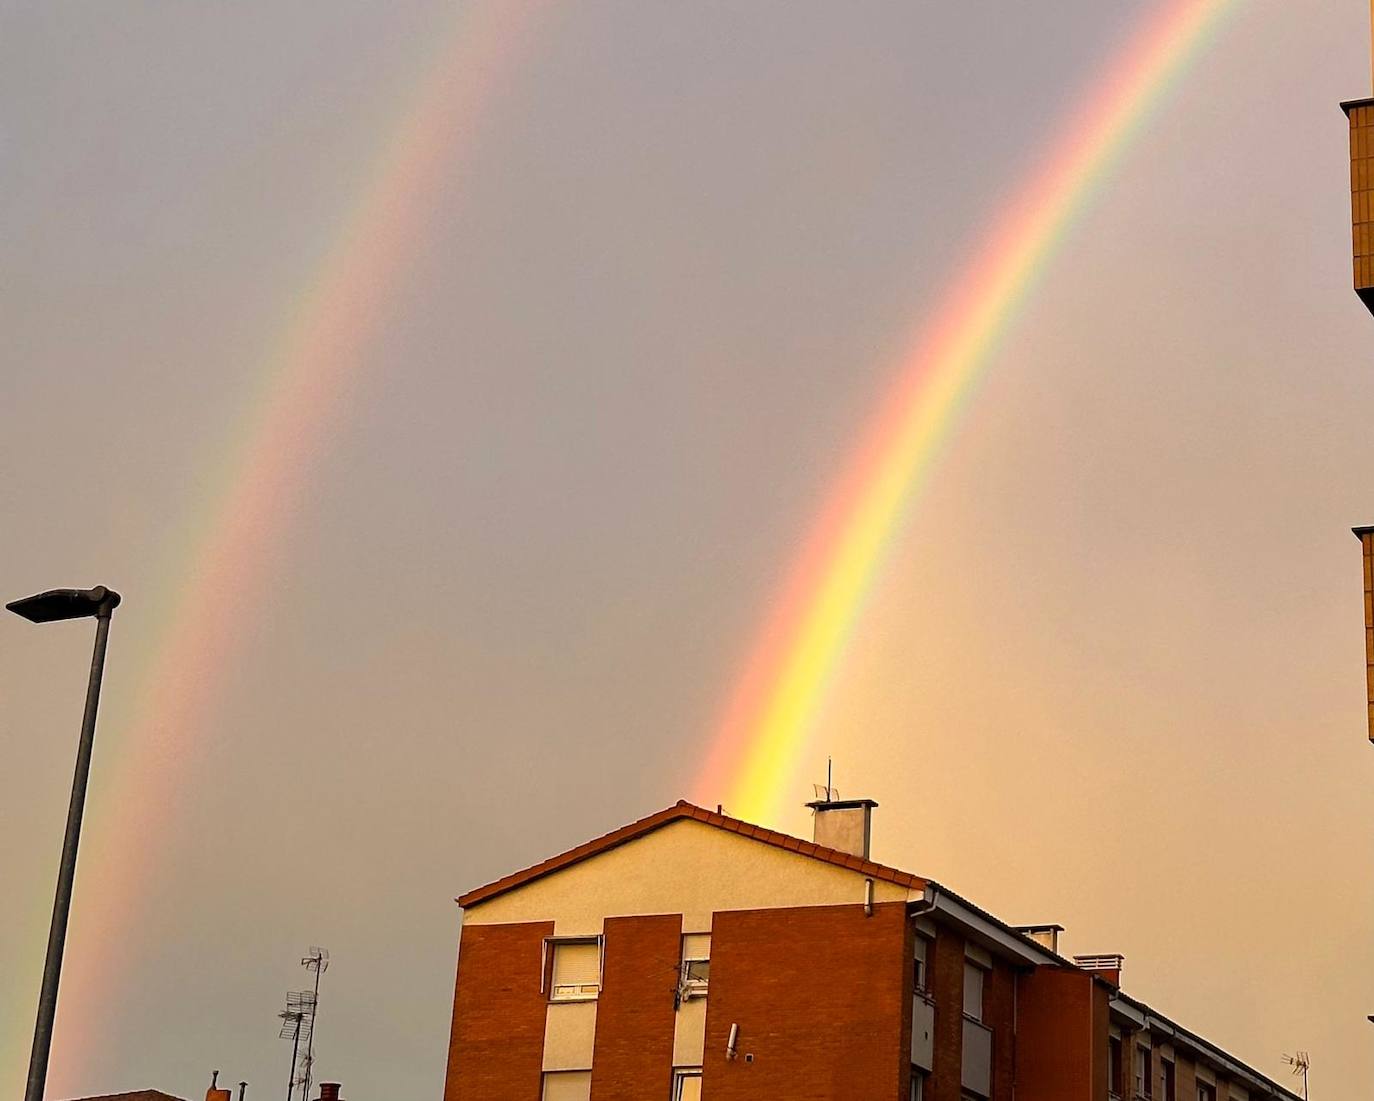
(329, 1091)
(1047, 936)
(844, 824)
(1106, 964)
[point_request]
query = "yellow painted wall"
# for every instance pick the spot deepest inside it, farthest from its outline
(689, 1033)
(685, 867)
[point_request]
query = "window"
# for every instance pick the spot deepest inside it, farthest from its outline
(567, 1085)
(1206, 1092)
(973, 990)
(1143, 1077)
(1166, 1081)
(687, 1084)
(918, 1084)
(576, 970)
(696, 965)
(1114, 1068)
(920, 968)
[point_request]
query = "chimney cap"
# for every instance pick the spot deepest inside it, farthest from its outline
(841, 804)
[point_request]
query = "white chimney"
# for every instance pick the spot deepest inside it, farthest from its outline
(844, 824)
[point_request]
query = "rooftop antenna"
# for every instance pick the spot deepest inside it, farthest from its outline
(317, 962)
(297, 1024)
(1299, 1060)
(828, 794)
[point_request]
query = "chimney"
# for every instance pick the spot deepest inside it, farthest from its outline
(1047, 936)
(329, 1091)
(844, 824)
(1366, 538)
(214, 1093)
(1107, 966)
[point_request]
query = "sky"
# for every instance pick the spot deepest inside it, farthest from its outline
(602, 330)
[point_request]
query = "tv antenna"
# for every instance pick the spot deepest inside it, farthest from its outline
(297, 1024)
(828, 794)
(1300, 1064)
(316, 961)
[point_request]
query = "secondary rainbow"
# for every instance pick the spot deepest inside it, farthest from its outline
(769, 723)
(307, 381)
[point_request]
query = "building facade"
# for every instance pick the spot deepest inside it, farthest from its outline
(694, 956)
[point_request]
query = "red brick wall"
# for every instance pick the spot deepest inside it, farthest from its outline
(1101, 1031)
(1057, 1030)
(818, 995)
(496, 1049)
(999, 1015)
(947, 988)
(633, 1054)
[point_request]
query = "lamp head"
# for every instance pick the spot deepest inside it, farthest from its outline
(57, 604)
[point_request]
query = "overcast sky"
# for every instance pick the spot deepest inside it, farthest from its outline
(1111, 678)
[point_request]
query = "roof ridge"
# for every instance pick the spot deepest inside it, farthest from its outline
(681, 810)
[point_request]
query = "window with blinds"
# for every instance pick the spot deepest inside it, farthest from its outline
(567, 1085)
(687, 1084)
(576, 974)
(973, 990)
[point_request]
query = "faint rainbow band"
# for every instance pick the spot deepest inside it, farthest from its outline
(306, 384)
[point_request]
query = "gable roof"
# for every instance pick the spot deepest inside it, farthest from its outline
(680, 811)
(136, 1095)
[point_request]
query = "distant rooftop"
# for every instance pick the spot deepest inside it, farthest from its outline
(136, 1095)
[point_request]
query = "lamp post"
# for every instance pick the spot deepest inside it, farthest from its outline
(49, 607)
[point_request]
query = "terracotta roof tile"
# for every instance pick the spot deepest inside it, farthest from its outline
(684, 810)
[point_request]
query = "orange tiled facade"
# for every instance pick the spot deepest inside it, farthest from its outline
(1361, 116)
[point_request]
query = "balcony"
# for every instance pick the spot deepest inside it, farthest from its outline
(977, 1070)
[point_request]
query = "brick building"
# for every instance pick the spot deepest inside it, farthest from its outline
(691, 955)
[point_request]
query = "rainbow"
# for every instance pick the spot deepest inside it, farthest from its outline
(770, 719)
(307, 382)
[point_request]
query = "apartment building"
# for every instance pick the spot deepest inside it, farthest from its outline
(692, 956)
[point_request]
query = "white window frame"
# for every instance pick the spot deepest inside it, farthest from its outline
(546, 966)
(683, 1074)
(921, 966)
(688, 986)
(918, 1083)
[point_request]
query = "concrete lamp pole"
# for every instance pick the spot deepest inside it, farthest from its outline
(49, 607)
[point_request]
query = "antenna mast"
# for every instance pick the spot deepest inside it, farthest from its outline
(317, 961)
(1299, 1060)
(297, 1024)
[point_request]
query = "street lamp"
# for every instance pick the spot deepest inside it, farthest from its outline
(49, 607)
